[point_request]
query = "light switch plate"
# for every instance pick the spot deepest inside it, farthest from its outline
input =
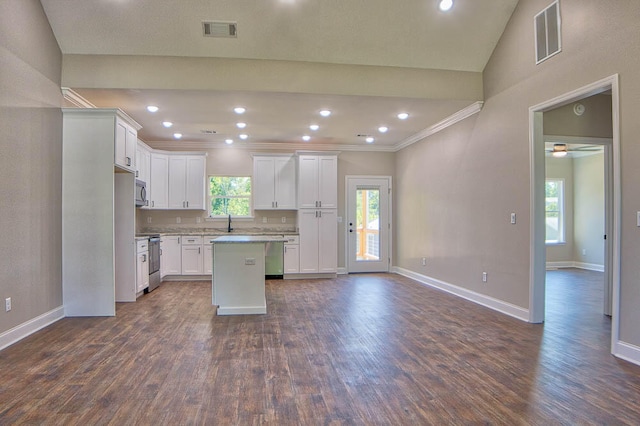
(638, 219)
(178, 220)
(250, 261)
(513, 218)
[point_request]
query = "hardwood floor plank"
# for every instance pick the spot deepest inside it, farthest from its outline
(361, 349)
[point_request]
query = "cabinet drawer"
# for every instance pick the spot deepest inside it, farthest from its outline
(191, 239)
(142, 246)
(292, 239)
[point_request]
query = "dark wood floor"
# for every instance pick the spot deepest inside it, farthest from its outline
(361, 349)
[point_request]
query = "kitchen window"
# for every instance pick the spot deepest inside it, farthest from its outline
(554, 211)
(230, 195)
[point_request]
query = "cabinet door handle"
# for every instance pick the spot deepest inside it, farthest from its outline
(160, 252)
(128, 161)
(320, 213)
(144, 258)
(187, 204)
(320, 203)
(276, 204)
(198, 250)
(137, 173)
(153, 203)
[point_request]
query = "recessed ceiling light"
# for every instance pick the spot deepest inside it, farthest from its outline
(243, 136)
(228, 141)
(306, 138)
(241, 125)
(314, 127)
(177, 135)
(152, 108)
(369, 139)
(383, 129)
(325, 113)
(239, 110)
(445, 5)
(403, 116)
(167, 124)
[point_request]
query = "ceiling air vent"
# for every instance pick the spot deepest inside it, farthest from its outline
(220, 29)
(208, 132)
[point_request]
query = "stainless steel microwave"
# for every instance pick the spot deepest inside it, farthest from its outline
(141, 194)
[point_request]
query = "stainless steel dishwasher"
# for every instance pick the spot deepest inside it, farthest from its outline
(274, 260)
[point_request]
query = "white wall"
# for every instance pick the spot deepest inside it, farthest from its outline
(589, 205)
(30, 164)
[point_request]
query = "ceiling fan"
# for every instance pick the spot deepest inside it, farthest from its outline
(561, 149)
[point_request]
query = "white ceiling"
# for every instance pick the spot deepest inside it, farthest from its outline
(381, 33)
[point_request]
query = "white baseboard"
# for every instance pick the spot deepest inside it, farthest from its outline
(342, 271)
(627, 351)
(23, 330)
(481, 299)
(573, 264)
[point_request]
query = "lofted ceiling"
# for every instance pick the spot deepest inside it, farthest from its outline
(360, 39)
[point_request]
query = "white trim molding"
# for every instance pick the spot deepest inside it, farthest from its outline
(25, 329)
(472, 109)
(627, 351)
(75, 99)
(480, 299)
(573, 264)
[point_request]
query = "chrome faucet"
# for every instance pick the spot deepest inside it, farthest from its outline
(229, 228)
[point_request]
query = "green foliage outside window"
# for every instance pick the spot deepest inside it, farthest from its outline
(230, 195)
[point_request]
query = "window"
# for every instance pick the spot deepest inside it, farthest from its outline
(230, 195)
(554, 211)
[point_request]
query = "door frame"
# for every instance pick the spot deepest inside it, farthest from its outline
(389, 213)
(537, 264)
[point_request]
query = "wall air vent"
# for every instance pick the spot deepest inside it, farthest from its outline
(547, 32)
(220, 29)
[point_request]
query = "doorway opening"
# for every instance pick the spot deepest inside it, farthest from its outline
(612, 201)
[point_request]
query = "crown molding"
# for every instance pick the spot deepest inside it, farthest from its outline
(75, 99)
(271, 146)
(472, 109)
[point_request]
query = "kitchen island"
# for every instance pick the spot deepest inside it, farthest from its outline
(237, 281)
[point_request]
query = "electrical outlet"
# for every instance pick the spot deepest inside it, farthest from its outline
(149, 219)
(250, 261)
(178, 220)
(484, 277)
(198, 219)
(264, 219)
(284, 219)
(424, 261)
(7, 304)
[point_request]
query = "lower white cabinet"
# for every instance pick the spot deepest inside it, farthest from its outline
(170, 255)
(318, 240)
(291, 258)
(208, 255)
(192, 255)
(292, 254)
(142, 265)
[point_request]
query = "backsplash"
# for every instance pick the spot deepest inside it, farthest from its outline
(176, 221)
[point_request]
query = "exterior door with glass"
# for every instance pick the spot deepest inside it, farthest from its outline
(368, 223)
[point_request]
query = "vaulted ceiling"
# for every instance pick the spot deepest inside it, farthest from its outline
(365, 61)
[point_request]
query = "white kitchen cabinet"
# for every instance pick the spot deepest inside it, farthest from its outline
(317, 181)
(318, 240)
(170, 255)
(292, 254)
(143, 161)
(142, 265)
(187, 182)
(208, 254)
(157, 187)
(126, 139)
(274, 182)
(192, 255)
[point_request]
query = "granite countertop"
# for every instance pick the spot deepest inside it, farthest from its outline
(222, 231)
(247, 239)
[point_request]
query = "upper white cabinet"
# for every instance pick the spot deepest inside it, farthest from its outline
(126, 140)
(317, 181)
(187, 182)
(158, 185)
(274, 182)
(143, 162)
